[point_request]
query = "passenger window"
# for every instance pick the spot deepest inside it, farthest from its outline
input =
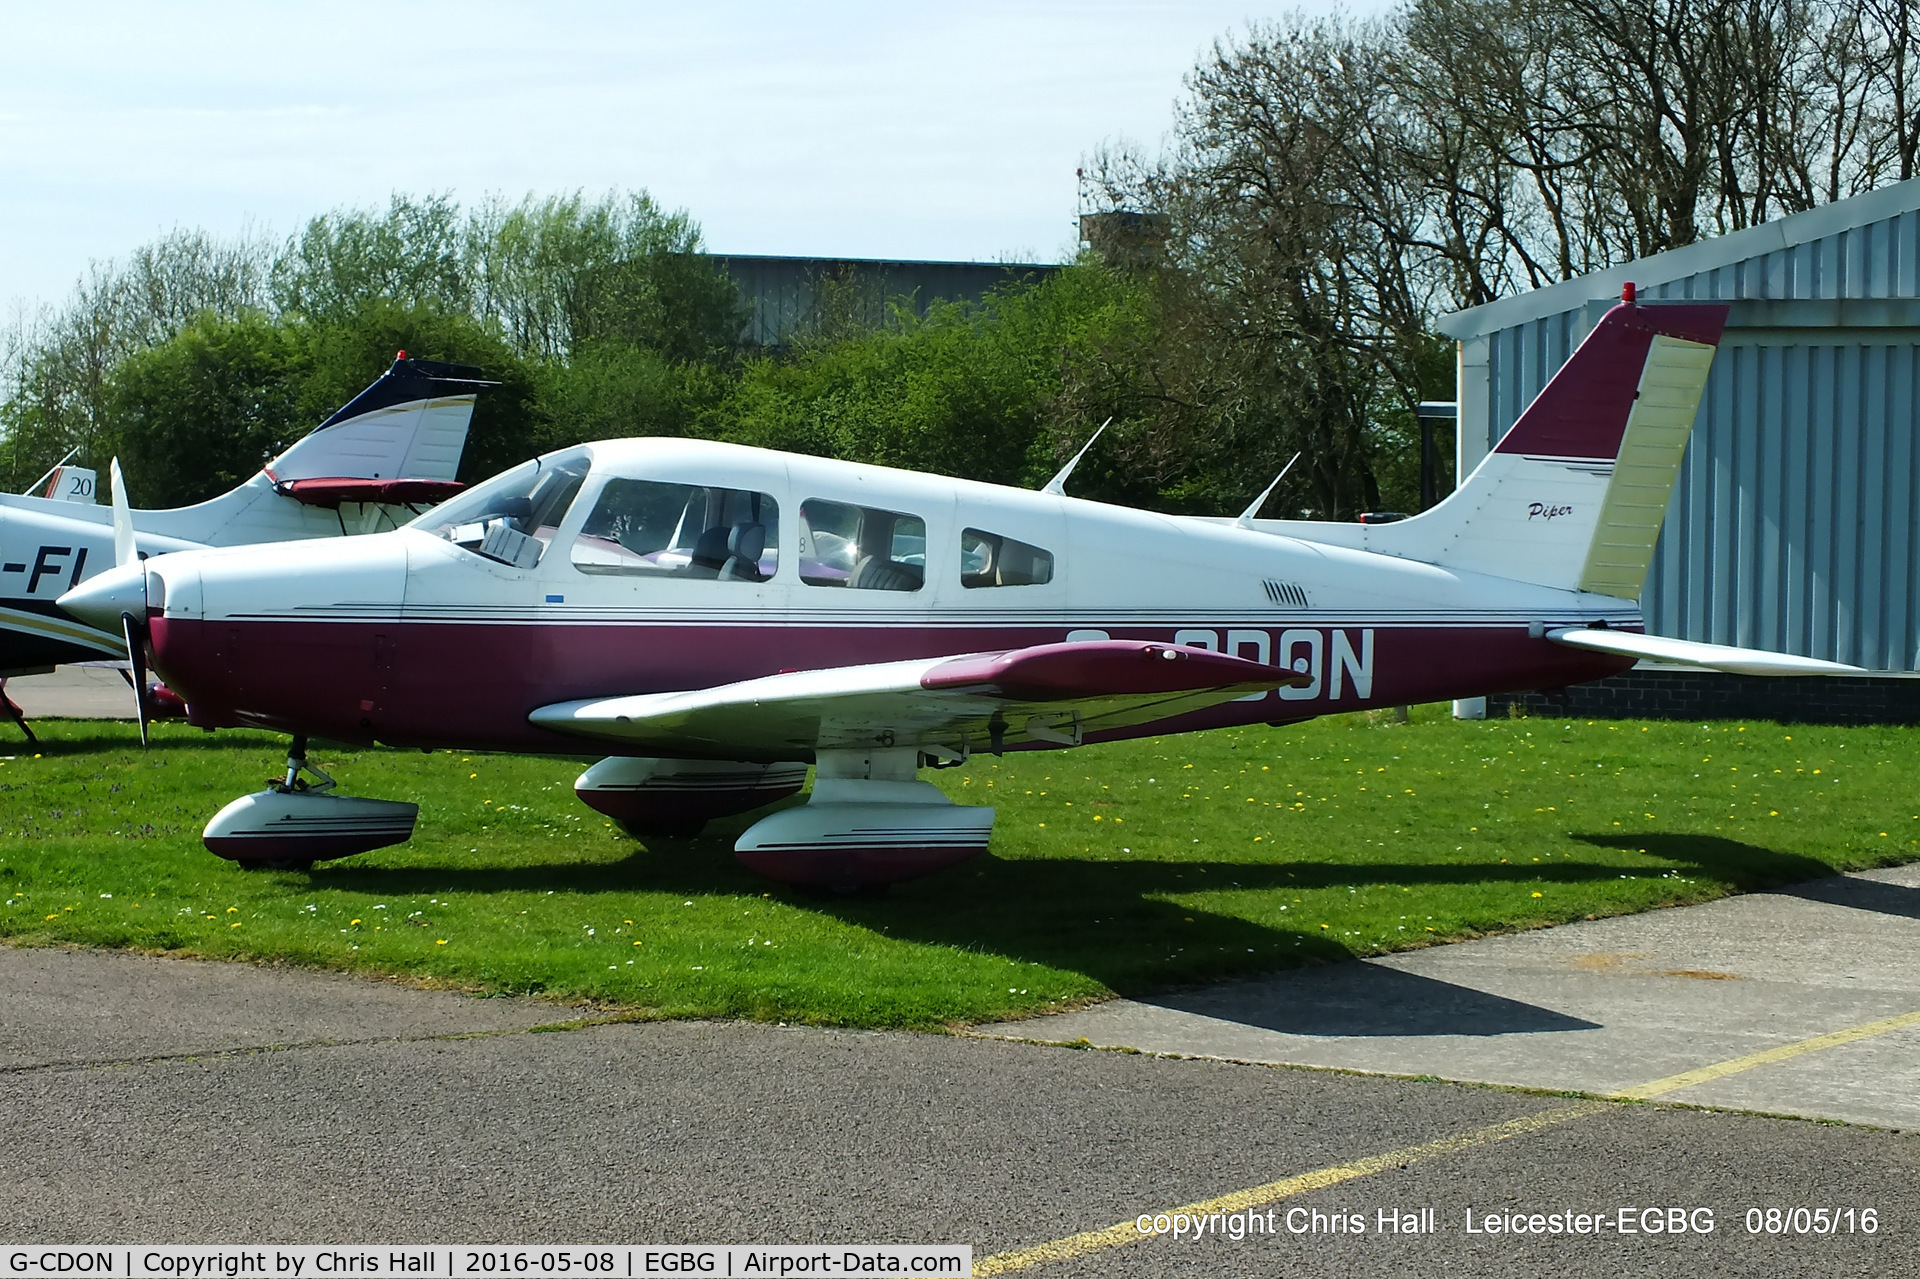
(988, 559)
(644, 528)
(861, 548)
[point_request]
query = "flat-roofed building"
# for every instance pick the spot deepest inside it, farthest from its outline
(788, 296)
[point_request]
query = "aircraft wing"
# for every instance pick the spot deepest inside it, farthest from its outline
(1717, 657)
(947, 706)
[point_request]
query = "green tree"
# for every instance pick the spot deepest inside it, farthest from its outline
(410, 255)
(56, 366)
(609, 390)
(999, 390)
(197, 414)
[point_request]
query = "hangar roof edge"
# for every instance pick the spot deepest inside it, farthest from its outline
(1693, 259)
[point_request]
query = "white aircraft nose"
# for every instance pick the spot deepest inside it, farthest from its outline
(101, 600)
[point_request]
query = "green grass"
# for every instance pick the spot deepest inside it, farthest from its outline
(1120, 868)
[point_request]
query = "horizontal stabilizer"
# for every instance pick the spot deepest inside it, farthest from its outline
(1715, 657)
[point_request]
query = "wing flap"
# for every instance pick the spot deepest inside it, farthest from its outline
(1051, 693)
(1717, 657)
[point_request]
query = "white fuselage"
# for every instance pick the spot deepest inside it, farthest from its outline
(412, 638)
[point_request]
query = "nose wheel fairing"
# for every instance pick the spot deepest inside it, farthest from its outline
(296, 822)
(295, 828)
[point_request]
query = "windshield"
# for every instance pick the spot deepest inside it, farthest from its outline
(513, 516)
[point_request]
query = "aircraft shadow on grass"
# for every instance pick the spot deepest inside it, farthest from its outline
(1754, 869)
(1860, 894)
(1111, 920)
(1748, 867)
(1757, 869)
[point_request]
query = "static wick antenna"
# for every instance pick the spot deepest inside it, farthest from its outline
(1246, 516)
(1058, 484)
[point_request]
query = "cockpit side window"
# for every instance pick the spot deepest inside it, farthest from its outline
(513, 516)
(990, 559)
(647, 528)
(861, 547)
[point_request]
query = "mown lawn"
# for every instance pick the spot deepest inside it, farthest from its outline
(1119, 868)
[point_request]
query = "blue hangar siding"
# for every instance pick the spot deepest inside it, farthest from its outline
(1796, 518)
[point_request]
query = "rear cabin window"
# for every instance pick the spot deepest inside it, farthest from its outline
(861, 548)
(991, 559)
(645, 528)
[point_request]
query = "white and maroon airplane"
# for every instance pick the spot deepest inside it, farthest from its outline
(714, 618)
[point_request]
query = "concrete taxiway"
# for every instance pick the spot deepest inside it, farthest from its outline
(1605, 1006)
(73, 692)
(146, 1099)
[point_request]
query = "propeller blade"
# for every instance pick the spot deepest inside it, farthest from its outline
(135, 631)
(123, 550)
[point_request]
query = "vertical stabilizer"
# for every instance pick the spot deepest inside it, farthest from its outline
(1573, 496)
(392, 448)
(411, 424)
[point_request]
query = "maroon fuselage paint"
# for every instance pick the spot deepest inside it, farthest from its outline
(472, 685)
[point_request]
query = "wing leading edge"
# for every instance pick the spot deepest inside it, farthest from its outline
(946, 706)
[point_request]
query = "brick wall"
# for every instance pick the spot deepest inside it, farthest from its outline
(1709, 695)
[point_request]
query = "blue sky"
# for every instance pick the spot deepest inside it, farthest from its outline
(855, 129)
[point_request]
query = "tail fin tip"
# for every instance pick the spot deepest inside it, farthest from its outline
(1582, 411)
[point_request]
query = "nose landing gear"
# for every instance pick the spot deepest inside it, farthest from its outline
(296, 822)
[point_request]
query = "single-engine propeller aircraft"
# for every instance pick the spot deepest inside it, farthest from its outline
(388, 453)
(714, 618)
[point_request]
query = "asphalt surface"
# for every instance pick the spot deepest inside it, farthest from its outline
(155, 1100)
(73, 692)
(1599, 1006)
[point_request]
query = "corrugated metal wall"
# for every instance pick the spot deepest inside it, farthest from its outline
(1794, 524)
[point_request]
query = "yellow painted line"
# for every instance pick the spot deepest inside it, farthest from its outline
(1127, 1232)
(1687, 1079)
